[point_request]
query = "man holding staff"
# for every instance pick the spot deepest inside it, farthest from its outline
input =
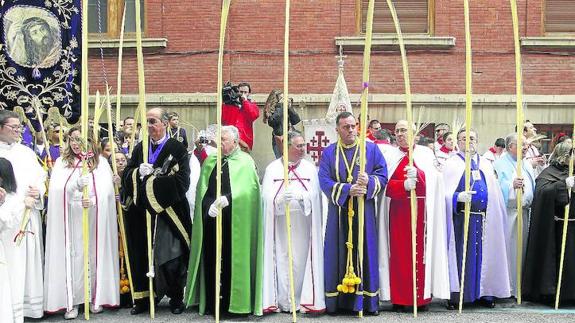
(344, 185)
(158, 186)
(486, 274)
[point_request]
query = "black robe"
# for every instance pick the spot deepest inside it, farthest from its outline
(163, 196)
(542, 259)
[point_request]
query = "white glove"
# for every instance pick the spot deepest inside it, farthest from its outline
(222, 202)
(409, 184)
(146, 169)
(82, 182)
(410, 172)
(465, 196)
(213, 211)
(570, 181)
(292, 194)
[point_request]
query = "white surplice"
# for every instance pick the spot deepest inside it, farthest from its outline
(28, 173)
(306, 237)
(64, 279)
(12, 261)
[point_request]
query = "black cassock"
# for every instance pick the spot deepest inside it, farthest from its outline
(541, 266)
(162, 194)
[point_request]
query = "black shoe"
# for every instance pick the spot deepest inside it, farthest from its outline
(374, 313)
(177, 307)
(422, 308)
(397, 308)
(451, 306)
(139, 308)
(487, 303)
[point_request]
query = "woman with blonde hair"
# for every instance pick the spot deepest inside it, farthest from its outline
(64, 269)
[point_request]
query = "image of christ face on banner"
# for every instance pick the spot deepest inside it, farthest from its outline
(32, 36)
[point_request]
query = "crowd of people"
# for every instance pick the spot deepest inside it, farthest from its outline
(67, 209)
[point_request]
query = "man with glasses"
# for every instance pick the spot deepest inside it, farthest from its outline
(24, 261)
(486, 275)
(304, 198)
(395, 247)
(373, 128)
(158, 186)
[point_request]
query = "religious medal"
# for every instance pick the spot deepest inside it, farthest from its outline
(476, 175)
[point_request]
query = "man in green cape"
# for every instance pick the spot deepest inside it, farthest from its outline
(242, 234)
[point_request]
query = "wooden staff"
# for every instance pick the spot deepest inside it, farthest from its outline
(117, 193)
(84, 124)
(468, 110)
(97, 113)
(410, 141)
(520, 118)
(119, 79)
(362, 139)
(142, 107)
(223, 23)
(285, 157)
(565, 223)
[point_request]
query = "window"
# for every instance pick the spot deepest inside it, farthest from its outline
(559, 16)
(414, 16)
(108, 19)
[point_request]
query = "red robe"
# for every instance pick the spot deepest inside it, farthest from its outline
(400, 262)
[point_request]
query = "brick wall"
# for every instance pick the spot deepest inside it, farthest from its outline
(254, 42)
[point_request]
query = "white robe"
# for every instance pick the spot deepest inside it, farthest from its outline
(28, 172)
(307, 242)
(64, 280)
(494, 274)
(436, 261)
(194, 177)
(506, 171)
(11, 259)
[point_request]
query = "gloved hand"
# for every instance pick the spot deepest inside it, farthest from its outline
(222, 202)
(410, 172)
(465, 196)
(409, 184)
(82, 182)
(570, 181)
(293, 194)
(146, 169)
(213, 211)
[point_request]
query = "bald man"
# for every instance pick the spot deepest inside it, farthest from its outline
(158, 186)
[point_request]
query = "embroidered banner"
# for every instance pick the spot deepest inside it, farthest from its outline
(40, 57)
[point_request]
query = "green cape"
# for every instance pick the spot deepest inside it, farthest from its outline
(247, 238)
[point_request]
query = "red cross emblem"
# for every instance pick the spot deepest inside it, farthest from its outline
(315, 146)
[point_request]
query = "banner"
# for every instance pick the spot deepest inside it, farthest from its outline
(40, 57)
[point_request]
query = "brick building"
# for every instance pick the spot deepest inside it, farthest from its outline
(181, 41)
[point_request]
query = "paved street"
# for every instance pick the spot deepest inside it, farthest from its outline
(506, 312)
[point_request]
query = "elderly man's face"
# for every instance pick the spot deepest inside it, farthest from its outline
(530, 130)
(228, 143)
(513, 147)
(472, 141)
(296, 150)
(156, 127)
(401, 134)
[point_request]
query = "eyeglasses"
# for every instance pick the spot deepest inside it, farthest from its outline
(152, 120)
(14, 127)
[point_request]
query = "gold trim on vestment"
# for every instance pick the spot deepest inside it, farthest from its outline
(174, 217)
(361, 293)
(150, 195)
(135, 185)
